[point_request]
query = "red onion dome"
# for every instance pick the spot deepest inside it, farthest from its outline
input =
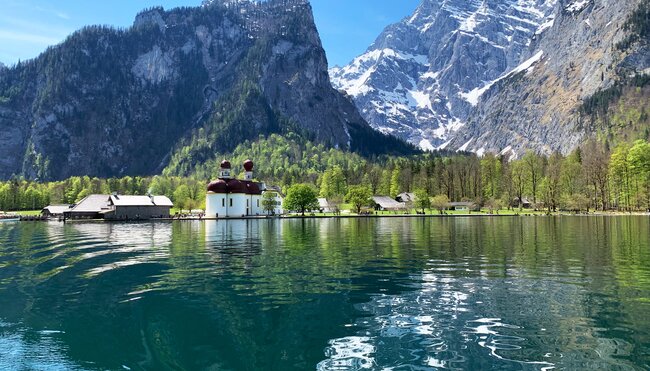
(248, 165)
(253, 188)
(236, 186)
(225, 164)
(218, 186)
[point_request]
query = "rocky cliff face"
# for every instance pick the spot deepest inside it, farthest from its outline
(506, 76)
(538, 105)
(419, 79)
(112, 102)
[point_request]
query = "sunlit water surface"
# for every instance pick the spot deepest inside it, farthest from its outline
(388, 294)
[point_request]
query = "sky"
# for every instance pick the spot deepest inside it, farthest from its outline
(28, 27)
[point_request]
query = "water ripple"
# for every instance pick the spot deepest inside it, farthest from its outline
(393, 294)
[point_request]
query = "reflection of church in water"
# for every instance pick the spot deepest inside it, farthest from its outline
(228, 197)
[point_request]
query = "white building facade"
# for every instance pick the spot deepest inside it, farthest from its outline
(232, 198)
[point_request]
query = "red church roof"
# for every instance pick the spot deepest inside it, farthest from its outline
(227, 186)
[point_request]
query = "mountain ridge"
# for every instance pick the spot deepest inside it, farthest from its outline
(459, 88)
(113, 102)
(550, 95)
(414, 80)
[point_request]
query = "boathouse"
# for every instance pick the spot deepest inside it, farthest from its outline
(54, 211)
(90, 207)
(138, 207)
(117, 207)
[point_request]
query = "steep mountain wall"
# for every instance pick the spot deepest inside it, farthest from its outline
(540, 105)
(507, 76)
(112, 102)
(416, 80)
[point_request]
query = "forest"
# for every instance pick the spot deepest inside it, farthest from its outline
(593, 177)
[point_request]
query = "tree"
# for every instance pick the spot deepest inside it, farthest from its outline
(572, 180)
(490, 171)
(493, 205)
(333, 183)
(268, 202)
(576, 202)
(595, 163)
(506, 180)
(535, 168)
(359, 196)
(181, 196)
(301, 197)
(518, 169)
(422, 200)
(639, 163)
(619, 173)
(553, 181)
(394, 183)
(440, 203)
(384, 183)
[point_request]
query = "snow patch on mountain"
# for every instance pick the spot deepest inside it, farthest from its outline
(577, 6)
(546, 25)
(473, 96)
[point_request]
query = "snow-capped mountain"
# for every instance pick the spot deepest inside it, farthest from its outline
(423, 76)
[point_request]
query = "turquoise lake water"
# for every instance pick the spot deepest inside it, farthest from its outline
(510, 293)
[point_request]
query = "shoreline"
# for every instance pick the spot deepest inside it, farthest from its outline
(317, 216)
(407, 216)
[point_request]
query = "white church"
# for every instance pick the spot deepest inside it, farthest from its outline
(228, 197)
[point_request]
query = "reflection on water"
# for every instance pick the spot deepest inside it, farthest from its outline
(332, 294)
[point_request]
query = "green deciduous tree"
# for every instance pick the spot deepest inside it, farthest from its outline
(553, 181)
(518, 173)
(422, 200)
(333, 183)
(359, 196)
(491, 175)
(639, 165)
(268, 202)
(619, 173)
(394, 183)
(440, 203)
(535, 170)
(301, 197)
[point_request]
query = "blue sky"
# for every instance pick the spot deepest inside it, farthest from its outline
(27, 27)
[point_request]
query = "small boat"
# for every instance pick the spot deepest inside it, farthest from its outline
(12, 219)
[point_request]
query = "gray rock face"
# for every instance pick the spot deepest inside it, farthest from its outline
(420, 78)
(154, 66)
(537, 106)
(151, 17)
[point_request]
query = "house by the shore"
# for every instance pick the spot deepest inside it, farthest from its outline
(326, 206)
(406, 198)
(385, 203)
(120, 207)
(462, 206)
(55, 211)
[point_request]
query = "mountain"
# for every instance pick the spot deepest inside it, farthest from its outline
(419, 79)
(584, 76)
(179, 85)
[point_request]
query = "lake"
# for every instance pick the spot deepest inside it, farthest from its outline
(508, 293)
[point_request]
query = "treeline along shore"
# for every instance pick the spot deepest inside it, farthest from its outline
(595, 176)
